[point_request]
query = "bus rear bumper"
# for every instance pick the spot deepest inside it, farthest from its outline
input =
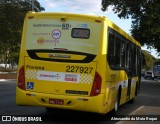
(80, 103)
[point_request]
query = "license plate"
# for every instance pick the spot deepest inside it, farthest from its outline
(56, 101)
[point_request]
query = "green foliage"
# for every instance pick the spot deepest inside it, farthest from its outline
(13, 57)
(11, 23)
(145, 16)
(157, 62)
(150, 60)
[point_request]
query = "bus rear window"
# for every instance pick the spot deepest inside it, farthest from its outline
(80, 33)
(49, 34)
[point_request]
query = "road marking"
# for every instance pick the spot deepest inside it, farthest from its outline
(7, 82)
(2, 79)
(138, 109)
(153, 96)
(133, 113)
(7, 79)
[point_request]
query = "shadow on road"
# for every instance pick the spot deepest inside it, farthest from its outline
(61, 116)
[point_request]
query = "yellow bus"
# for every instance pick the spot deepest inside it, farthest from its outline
(76, 62)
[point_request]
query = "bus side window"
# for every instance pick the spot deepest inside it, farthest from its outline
(118, 53)
(127, 56)
(111, 50)
(139, 61)
(133, 59)
(123, 54)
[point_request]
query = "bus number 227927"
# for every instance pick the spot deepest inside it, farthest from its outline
(77, 69)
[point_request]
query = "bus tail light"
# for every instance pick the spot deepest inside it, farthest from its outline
(96, 87)
(21, 79)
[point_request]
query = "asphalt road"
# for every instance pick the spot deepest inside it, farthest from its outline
(147, 103)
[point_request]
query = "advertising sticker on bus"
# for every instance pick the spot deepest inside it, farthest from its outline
(56, 34)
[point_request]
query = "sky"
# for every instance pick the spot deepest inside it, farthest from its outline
(89, 7)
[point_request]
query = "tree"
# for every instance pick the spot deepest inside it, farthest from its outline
(11, 23)
(150, 60)
(145, 18)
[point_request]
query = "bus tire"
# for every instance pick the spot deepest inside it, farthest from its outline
(117, 103)
(136, 93)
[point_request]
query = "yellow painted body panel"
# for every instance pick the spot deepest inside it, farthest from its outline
(55, 85)
(77, 102)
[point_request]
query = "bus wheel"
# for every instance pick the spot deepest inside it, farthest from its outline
(136, 93)
(116, 107)
(117, 103)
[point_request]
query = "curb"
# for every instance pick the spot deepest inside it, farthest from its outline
(8, 72)
(7, 79)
